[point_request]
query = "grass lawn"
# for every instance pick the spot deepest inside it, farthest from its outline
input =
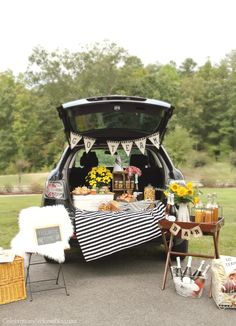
(226, 198)
(11, 205)
(26, 179)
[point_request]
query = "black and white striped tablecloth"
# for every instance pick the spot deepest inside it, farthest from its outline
(103, 233)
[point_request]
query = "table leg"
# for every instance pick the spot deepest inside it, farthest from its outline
(216, 254)
(216, 243)
(167, 264)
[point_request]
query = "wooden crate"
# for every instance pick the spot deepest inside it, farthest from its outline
(12, 281)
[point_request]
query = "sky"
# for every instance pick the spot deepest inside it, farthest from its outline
(156, 31)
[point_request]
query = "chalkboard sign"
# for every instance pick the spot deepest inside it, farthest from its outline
(47, 235)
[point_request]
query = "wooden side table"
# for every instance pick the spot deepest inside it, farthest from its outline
(210, 229)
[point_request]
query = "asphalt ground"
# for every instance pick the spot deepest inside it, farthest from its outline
(123, 289)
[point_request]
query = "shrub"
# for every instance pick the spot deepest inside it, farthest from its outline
(199, 159)
(232, 159)
(8, 187)
(209, 181)
(36, 188)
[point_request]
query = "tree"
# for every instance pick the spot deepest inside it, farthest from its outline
(7, 97)
(188, 67)
(21, 165)
(179, 144)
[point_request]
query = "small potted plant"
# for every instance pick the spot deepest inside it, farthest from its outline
(99, 177)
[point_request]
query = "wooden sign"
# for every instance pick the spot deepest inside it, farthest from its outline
(47, 235)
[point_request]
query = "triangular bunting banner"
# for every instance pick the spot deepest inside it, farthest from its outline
(155, 139)
(127, 145)
(88, 143)
(141, 143)
(74, 139)
(113, 145)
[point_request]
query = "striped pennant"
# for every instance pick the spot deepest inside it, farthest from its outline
(103, 233)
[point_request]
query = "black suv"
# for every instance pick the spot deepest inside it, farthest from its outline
(116, 118)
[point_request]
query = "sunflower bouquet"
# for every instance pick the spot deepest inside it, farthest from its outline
(185, 193)
(99, 177)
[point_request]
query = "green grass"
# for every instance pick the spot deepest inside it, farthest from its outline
(26, 179)
(227, 242)
(10, 207)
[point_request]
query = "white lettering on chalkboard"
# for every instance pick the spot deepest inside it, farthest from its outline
(47, 235)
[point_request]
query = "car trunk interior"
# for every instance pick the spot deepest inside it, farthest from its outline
(150, 164)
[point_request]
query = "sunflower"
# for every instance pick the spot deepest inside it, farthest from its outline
(185, 193)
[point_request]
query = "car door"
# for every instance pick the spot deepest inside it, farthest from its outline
(115, 117)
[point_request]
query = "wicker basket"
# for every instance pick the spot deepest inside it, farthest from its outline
(12, 281)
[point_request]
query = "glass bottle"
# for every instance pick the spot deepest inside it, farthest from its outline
(149, 192)
(171, 211)
(198, 271)
(204, 272)
(200, 280)
(215, 208)
(209, 209)
(178, 271)
(187, 274)
(199, 212)
(136, 182)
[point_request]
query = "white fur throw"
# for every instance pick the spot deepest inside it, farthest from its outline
(38, 217)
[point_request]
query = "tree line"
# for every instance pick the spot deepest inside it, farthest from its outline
(32, 135)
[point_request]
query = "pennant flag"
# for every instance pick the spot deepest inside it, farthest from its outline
(141, 143)
(88, 143)
(113, 145)
(74, 139)
(174, 229)
(127, 145)
(155, 139)
(185, 234)
(196, 232)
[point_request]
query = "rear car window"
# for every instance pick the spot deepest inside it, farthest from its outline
(104, 157)
(116, 116)
(118, 120)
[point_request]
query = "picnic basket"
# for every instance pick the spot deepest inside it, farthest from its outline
(12, 281)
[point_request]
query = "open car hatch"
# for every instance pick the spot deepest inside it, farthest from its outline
(115, 117)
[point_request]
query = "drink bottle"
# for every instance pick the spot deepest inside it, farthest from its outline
(200, 281)
(209, 209)
(204, 272)
(199, 211)
(198, 271)
(178, 271)
(215, 208)
(136, 182)
(187, 274)
(171, 212)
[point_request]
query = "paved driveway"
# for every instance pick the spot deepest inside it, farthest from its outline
(121, 290)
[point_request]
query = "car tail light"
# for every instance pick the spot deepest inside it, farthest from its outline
(55, 189)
